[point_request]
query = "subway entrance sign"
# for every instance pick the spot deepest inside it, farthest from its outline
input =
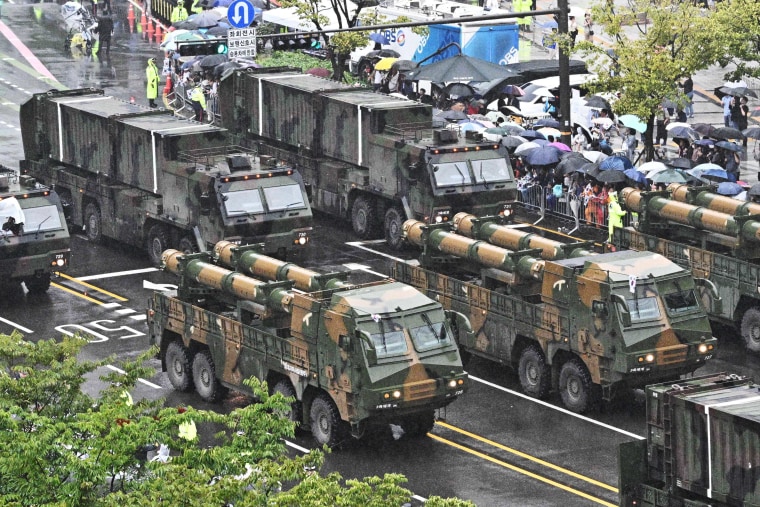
(241, 42)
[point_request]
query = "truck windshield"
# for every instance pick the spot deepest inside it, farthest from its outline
(643, 308)
(41, 218)
(284, 197)
(387, 336)
(431, 335)
(242, 202)
(455, 173)
(490, 170)
(681, 301)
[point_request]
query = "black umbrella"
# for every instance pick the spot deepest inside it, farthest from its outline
(532, 134)
(211, 61)
(684, 133)
(545, 155)
(458, 90)
(727, 133)
(205, 19)
(752, 132)
(404, 65)
(598, 102)
(703, 128)
(679, 163)
(739, 91)
(219, 30)
(460, 68)
(754, 190)
(611, 176)
(547, 122)
(383, 53)
(570, 164)
(451, 115)
(512, 141)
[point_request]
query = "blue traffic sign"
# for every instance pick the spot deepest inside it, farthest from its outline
(241, 13)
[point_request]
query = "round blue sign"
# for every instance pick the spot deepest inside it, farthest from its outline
(240, 13)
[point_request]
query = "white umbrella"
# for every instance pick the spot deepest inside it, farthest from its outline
(549, 131)
(525, 147)
(675, 124)
(651, 166)
(594, 156)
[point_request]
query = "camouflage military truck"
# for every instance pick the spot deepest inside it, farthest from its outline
(352, 356)
(587, 326)
(715, 237)
(149, 179)
(34, 239)
(367, 157)
(702, 447)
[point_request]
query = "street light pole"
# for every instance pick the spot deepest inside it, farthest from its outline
(564, 76)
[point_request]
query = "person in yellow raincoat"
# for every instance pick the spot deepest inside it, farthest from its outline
(615, 213)
(151, 77)
(179, 13)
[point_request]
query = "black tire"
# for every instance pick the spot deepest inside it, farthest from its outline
(750, 329)
(575, 386)
(326, 424)
(38, 284)
(187, 245)
(285, 388)
(419, 425)
(179, 367)
(394, 221)
(535, 375)
(93, 223)
(204, 377)
(363, 217)
(156, 243)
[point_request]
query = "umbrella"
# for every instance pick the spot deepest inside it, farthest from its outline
(729, 188)
(545, 155)
(727, 133)
(679, 163)
(613, 176)
(548, 131)
(561, 146)
(726, 145)
(632, 122)
(460, 68)
(464, 126)
(513, 141)
(541, 142)
(752, 132)
(532, 134)
(594, 156)
(496, 115)
(703, 128)
(526, 147)
(458, 90)
(211, 61)
(547, 122)
(512, 89)
(507, 129)
(704, 167)
(385, 63)
(204, 19)
(715, 174)
(225, 69)
(603, 121)
(652, 166)
(669, 176)
(636, 176)
(704, 142)
(379, 38)
(754, 190)
(684, 133)
(171, 43)
(675, 124)
(617, 162)
(598, 102)
(570, 163)
(404, 65)
(452, 115)
(738, 91)
(319, 72)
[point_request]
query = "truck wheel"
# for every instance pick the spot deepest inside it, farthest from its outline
(285, 388)
(419, 425)
(38, 284)
(535, 374)
(363, 217)
(179, 366)
(204, 378)
(158, 241)
(93, 223)
(326, 424)
(575, 386)
(751, 329)
(394, 235)
(187, 245)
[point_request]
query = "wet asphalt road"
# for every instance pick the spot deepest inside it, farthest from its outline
(496, 448)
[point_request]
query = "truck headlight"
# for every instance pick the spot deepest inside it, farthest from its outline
(704, 348)
(649, 358)
(60, 262)
(395, 395)
(452, 383)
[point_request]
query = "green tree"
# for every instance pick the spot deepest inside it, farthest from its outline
(654, 45)
(63, 447)
(739, 28)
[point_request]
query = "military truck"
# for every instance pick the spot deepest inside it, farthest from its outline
(353, 356)
(149, 179)
(712, 243)
(34, 238)
(702, 447)
(588, 325)
(368, 157)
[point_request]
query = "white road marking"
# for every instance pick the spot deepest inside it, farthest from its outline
(142, 380)
(142, 316)
(361, 267)
(17, 326)
(360, 244)
(126, 311)
(111, 305)
(117, 273)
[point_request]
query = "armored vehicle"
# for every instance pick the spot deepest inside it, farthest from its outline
(702, 447)
(712, 236)
(34, 239)
(367, 157)
(586, 325)
(352, 356)
(149, 179)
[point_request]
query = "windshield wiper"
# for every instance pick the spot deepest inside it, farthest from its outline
(485, 181)
(382, 333)
(430, 325)
(36, 235)
(456, 166)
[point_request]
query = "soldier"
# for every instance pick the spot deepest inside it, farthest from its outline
(151, 76)
(615, 214)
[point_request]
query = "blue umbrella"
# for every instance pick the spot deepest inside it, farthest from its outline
(532, 134)
(545, 155)
(726, 145)
(704, 142)
(635, 175)
(633, 122)
(618, 162)
(715, 174)
(729, 188)
(379, 38)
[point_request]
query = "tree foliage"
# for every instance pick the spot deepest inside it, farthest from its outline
(739, 22)
(63, 447)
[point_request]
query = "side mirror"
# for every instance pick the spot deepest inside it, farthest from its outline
(709, 295)
(205, 202)
(344, 342)
(369, 349)
(622, 305)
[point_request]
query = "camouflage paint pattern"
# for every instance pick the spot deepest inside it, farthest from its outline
(495, 231)
(42, 246)
(575, 311)
(324, 346)
(702, 446)
(702, 196)
(143, 168)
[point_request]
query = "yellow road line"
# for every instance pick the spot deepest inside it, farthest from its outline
(517, 469)
(529, 457)
(66, 289)
(103, 291)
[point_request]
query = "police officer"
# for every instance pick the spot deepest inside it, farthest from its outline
(179, 13)
(198, 101)
(151, 76)
(615, 214)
